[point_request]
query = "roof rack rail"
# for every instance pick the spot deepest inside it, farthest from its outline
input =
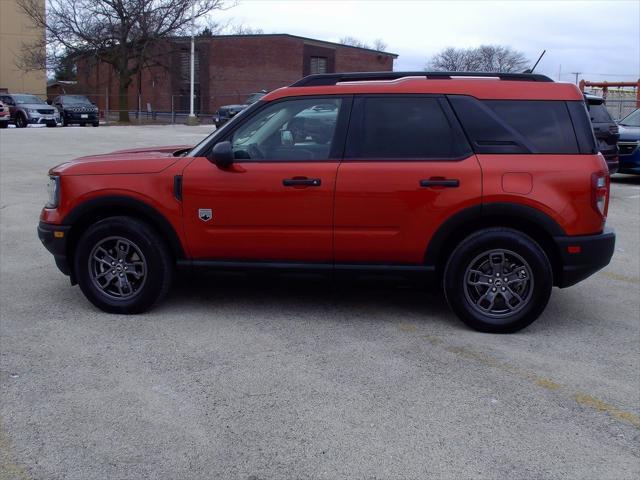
(334, 78)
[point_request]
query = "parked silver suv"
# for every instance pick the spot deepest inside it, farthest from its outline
(26, 109)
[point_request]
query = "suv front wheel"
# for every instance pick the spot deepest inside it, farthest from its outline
(498, 280)
(122, 265)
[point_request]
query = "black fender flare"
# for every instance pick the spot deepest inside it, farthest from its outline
(86, 212)
(483, 215)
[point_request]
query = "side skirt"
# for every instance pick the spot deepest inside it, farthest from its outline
(426, 272)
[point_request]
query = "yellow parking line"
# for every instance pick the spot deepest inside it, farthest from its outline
(8, 468)
(543, 382)
(622, 278)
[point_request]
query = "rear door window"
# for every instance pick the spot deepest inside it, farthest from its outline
(404, 127)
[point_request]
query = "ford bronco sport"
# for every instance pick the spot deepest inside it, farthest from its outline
(491, 185)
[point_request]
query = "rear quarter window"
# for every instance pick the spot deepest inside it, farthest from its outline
(517, 126)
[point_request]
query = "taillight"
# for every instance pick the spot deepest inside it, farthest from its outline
(600, 192)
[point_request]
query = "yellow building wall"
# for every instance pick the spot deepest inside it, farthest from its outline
(16, 30)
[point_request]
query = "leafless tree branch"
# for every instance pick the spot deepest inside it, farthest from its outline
(118, 32)
(485, 58)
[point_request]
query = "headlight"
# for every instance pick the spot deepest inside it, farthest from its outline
(32, 110)
(53, 188)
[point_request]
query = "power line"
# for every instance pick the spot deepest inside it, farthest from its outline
(635, 75)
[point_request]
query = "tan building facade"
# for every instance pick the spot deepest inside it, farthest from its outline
(16, 30)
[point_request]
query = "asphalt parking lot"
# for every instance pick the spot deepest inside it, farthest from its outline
(241, 378)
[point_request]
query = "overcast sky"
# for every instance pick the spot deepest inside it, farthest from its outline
(601, 39)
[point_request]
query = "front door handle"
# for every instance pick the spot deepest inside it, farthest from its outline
(301, 182)
(440, 182)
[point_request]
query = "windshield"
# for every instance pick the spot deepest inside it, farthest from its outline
(19, 99)
(75, 100)
(254, 97)
(631, 120)
(200, 148)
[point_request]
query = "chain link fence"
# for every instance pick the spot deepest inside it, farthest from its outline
(174, 109)
(619, 102)
(159, 109)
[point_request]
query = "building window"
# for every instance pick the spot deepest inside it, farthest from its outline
(318, 65)
(185, 66)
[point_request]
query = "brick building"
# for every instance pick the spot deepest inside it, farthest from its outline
(227, 69)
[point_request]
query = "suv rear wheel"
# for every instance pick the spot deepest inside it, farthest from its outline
(122, 265)
(498, 280)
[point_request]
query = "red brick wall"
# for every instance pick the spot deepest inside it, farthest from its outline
(355, 60)
(231, 68)
(240, 66)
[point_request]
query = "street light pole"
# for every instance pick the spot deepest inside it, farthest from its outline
(192, 117)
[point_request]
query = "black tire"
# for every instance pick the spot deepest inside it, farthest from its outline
(83, 124)
(4, 124)
(514, 301)
(21, 120)
(52, 125)
(96, 124)
(145, 246)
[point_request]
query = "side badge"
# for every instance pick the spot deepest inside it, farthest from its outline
(205, 214)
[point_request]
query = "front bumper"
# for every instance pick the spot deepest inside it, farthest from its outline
(630, 160)
(43, 118)
(592, 253)
(55, 238)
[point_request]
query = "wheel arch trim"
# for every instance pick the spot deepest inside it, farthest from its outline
(485, 215)
(126, 204)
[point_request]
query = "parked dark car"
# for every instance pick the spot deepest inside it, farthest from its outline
(4, 115)
(227, 112)
(605, 130)
(26, 109)
(629, 143)
(76, 109)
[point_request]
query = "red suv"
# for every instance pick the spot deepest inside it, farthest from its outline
(491, 185)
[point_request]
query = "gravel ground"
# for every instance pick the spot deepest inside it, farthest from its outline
(252, 379)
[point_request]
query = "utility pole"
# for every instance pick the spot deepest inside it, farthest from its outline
(576, 74)
(192, 120)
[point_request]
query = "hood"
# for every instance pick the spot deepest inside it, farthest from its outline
(233, 107)
(35, 106)
(135, 160)
(629, 134)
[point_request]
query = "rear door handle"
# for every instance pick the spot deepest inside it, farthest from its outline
(440, 182)
(301, 182)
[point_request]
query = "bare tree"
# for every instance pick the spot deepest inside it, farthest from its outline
(485, 58)
(118, 32)
(241, 29)
(378, 44)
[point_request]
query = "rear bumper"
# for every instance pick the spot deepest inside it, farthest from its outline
(54, 239)
(595, 252)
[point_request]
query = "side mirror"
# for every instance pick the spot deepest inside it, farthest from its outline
(222, 155)
(286, 138)
(49, 102)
